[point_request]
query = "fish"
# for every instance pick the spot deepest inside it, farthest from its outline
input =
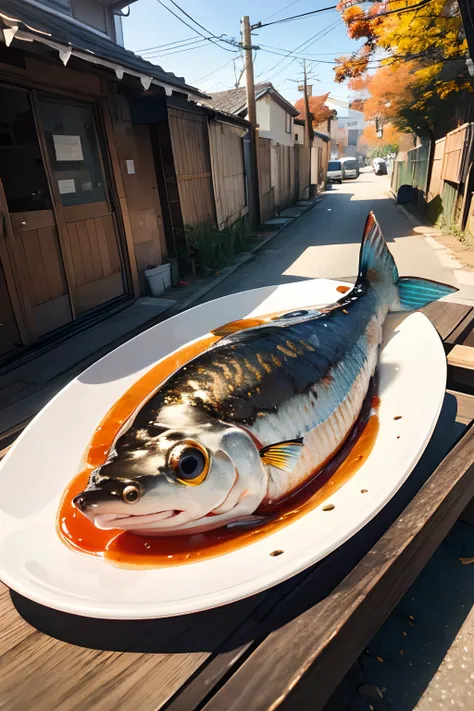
(254, 417)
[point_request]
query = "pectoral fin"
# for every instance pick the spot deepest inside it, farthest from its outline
(282, 455)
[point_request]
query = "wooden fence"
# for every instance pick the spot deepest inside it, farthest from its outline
(228, 172)
(190, 141)
(267, 193)
(436, 182)
(288, 175)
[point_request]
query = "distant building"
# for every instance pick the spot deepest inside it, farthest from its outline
(275, 115)
(351, 124)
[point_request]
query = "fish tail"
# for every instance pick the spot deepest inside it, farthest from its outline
(377, 266)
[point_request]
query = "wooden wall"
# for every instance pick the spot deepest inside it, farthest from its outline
(190, 140)
(267, 193)
(453, 154)
(140, 188)
(228, 173)
(436, 182)
(287, 175)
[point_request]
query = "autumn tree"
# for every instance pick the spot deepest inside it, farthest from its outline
(416, 49)
(317, 107)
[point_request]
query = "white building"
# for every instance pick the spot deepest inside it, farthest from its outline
(350, 124)
(275, 115)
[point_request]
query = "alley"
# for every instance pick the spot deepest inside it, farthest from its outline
(325, 242)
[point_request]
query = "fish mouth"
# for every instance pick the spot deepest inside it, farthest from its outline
(106, 522)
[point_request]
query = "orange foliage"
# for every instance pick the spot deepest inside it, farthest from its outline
(390, 136)
(319, 111)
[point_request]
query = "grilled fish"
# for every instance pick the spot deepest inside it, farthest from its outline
(251, 419)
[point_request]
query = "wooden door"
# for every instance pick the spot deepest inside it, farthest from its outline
(31, 244)
(190, 140)
(85, 213)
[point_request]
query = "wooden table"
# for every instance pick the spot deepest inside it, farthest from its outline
(287, 648)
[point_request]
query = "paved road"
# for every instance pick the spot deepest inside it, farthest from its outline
(325, 242)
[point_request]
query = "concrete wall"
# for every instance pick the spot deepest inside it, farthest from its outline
(263, 117)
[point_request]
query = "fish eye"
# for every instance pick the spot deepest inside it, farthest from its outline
(190, 463)
(131, 494)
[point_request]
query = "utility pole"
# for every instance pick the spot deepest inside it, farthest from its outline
(308, 130)
(252, 176)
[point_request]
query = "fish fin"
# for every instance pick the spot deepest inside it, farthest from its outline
(414, 293)
(377, 266)
(375, 261)
(235, 326)
(282, 455)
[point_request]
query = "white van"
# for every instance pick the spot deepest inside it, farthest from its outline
(334, 171)
(350, 168)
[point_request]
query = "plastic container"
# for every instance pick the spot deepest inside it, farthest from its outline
(158, 278)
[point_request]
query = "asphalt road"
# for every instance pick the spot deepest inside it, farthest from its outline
(325, 241)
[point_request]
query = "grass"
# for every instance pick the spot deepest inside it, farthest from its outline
(212, 248)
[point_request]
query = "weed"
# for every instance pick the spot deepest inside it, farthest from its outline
(213, 248)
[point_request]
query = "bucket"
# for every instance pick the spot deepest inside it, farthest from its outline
(158, 278)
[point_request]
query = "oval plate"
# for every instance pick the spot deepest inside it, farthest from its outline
(34, 474)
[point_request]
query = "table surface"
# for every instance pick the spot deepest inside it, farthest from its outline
(285, 648)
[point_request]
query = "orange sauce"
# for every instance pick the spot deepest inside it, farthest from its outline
(129, 550)
(343, 289)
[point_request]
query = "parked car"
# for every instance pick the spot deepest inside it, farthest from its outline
(379, 166)
(350, 168)
(334, 171)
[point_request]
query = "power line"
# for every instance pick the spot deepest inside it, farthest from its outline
(305, 45)
(196, 81)
(146, 49)
(201, 43)
(209, 39)
(195, 41)
(259, 25)
(268, 17)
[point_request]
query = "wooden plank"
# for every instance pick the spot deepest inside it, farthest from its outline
(312, 653)
(77, 213)
(94, 237)
(78, 273)
(112, 244)
(57, 207)
(461, 333)
(194, 176)
(144, 664)
(103, 247)
(86, 253)
(29, 244)
(461, 357)
(446, 316)
(129, 253)
(465, 409)
(52, 261)
(28, 221)
(99, 292)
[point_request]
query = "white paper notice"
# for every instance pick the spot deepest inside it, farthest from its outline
(130, 167)
(66, 186)
(68, 147)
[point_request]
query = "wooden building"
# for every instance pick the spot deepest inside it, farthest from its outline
(88, 197)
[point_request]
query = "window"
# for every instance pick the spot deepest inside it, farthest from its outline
(73, 152)
(296, 138)
(21, 165)
(287, 123)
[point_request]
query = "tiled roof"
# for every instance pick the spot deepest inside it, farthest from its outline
(59, 28)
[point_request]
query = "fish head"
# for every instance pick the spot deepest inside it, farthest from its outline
(185, 473)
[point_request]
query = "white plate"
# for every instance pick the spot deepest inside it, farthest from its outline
(45, 457)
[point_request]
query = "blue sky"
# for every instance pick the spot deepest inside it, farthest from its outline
(211, 68)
